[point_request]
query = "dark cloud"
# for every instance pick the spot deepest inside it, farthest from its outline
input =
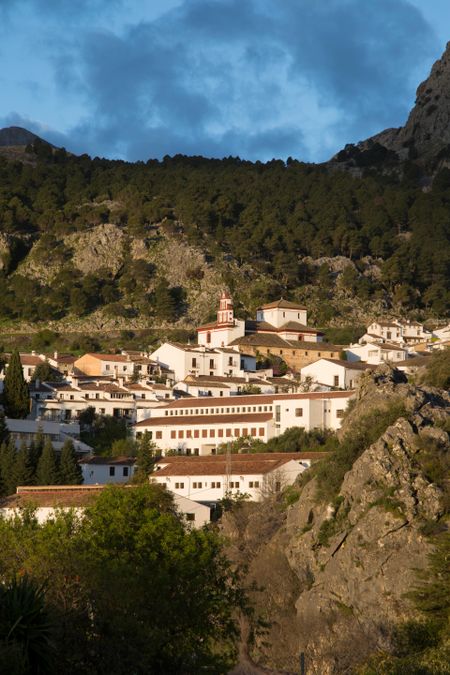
(256, 78)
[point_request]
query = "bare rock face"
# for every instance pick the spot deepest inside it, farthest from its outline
(100, 247)
(424, 139)
(335, 575)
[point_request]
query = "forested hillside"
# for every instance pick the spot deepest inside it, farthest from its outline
(264, 227)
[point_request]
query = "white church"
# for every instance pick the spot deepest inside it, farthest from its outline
(286, 319)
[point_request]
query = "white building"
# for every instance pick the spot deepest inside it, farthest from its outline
(199, 361)
(334, 372)
(213, 385)
(198, 426)
(99, 470)
(209, 479)
(49, 499)
(376, 353)
(26, 431)
(396, 331)
(130, 401)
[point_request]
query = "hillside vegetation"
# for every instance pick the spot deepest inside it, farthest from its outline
(159, 239)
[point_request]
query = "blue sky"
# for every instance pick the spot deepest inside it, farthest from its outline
(136, 79)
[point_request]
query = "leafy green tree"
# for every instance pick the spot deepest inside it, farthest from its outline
(16, 399)
(69, 470)
(47, 468)
(128, 560)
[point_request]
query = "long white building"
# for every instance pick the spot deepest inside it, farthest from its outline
(198, 426)
(209, 479)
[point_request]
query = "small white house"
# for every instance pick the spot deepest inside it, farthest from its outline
(334, 372)
(376, 353)
(102, 470)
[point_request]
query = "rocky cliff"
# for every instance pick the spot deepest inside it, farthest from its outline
(425, 137)
(333, 574)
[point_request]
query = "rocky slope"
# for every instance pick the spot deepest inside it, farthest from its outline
(333, 576)
(425, 137)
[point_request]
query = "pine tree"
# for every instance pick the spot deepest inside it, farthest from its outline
(7, 466)
(47, 468)
(16, 398)
(23, 468)
(69, 470)
(145, 459)
(4, 431)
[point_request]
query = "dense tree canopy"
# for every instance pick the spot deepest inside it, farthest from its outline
(269, 215)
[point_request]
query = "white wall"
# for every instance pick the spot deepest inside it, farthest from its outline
(94, 474)
(214, 487)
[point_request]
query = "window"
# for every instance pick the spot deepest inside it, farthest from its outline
(261, 431)
(228, 433)
(179, 486)
(277, 413)
(107, 367)
(212, 433)
(234, 484)
(236, 432)
(125, 471)
(253, 431)
(339, 413)
(299, 412)
(196, 433)
(220, 433)
(181, 434)
(189, 433)
(173, 434)
(277, 486)
(197, 486)
(124, 368)
(336, 380)
(212, 365)
(253, 484)
(190, 516)
(112, 470)
(194, 363)
(204, 433)
(158, 434)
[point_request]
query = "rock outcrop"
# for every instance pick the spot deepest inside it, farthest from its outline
(334, 575)
(425, 137)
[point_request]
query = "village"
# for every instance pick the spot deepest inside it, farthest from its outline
(244, 379)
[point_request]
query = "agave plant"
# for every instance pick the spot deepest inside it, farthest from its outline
(25, 625)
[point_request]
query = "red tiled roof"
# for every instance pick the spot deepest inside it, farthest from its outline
(250, 399)
(282, 304)
(189, 420)
(255, 463)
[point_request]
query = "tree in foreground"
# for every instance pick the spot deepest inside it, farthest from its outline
(16, 399)
(69, 470)
(133, 590)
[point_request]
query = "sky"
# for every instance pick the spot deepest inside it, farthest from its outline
(258, 79)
